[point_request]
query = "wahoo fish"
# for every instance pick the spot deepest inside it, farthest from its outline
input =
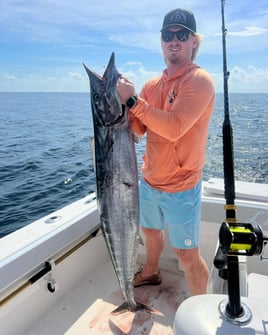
(116, 179)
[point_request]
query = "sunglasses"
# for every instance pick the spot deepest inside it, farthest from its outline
(181, 35)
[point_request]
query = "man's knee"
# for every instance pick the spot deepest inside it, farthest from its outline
(154, 233)
(187, 257)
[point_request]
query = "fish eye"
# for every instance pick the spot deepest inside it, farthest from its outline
(96, 97)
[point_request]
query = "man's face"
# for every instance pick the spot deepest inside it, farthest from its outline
(177, 48)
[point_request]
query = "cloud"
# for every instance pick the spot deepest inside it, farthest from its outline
(9, 77)
(51, 39)
(67, 21)
(242, 79)
(249, 31)
(75, 76)
(145, 40)
(136, 72)
(248, 79)
(249, 75)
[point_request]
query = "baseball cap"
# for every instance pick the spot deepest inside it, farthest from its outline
(180, 17)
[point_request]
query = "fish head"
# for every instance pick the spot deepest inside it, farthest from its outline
(105, 102)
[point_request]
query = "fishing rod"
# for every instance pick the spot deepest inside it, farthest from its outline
(234, 238)
(234, 304)
(227, 132)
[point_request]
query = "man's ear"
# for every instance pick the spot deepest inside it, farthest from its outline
(195, 41)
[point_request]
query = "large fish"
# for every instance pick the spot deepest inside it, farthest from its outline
(116, 179)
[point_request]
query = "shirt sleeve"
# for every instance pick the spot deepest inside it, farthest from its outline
(194, 94)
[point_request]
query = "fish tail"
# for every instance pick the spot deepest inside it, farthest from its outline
(125, 307)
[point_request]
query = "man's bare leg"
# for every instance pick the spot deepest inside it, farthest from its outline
(154, 242)
(195, 269)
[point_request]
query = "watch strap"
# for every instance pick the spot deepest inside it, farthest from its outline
(131, 102)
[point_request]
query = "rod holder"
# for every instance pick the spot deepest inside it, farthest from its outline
(242, 319)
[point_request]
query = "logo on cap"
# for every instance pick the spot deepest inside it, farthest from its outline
(178, 17)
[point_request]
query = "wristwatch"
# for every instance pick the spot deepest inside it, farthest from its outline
(131, 102)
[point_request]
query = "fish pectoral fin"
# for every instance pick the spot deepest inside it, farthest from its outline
(140, 240)
(128, 185)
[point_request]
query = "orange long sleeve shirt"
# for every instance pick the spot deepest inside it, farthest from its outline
(174, 112)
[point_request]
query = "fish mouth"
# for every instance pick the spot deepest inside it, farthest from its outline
(117, 120)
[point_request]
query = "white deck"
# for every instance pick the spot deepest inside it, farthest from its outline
(164, 299)
(87, 308)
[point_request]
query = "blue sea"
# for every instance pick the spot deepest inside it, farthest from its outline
(45, 158)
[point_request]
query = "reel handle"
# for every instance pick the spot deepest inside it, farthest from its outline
(264, 258)
(220, 259)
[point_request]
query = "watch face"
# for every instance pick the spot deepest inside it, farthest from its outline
(131, 102)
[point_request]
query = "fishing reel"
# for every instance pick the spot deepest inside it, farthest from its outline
(241, 239)
(236, 239)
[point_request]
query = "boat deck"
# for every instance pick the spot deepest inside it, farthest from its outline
(87, 288)
(82, 311)
(164, 300)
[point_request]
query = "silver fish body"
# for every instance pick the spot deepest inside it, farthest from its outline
(116, 179)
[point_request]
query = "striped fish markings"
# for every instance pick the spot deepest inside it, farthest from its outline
(116, 179)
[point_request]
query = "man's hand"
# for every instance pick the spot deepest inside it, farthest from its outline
(125, 89)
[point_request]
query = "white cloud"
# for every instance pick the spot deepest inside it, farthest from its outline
(242, 79)
(136, 72)
(146, 40)
(9, 77)
(249, 75)
(249, 31)
(249, 79)
(246, 32)
(75, 76)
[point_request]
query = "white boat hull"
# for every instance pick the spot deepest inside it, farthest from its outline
(82, 278)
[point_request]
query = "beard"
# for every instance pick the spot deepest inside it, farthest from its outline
(173, 59)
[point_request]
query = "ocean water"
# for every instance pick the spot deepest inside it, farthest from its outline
(45, 158)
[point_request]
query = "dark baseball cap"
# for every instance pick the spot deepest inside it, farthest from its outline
(180, 17)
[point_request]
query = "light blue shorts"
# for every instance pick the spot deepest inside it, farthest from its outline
(179, 211)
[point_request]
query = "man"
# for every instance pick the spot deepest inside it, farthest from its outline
(174, 110)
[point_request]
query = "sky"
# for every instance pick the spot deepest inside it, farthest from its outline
(43, 43)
